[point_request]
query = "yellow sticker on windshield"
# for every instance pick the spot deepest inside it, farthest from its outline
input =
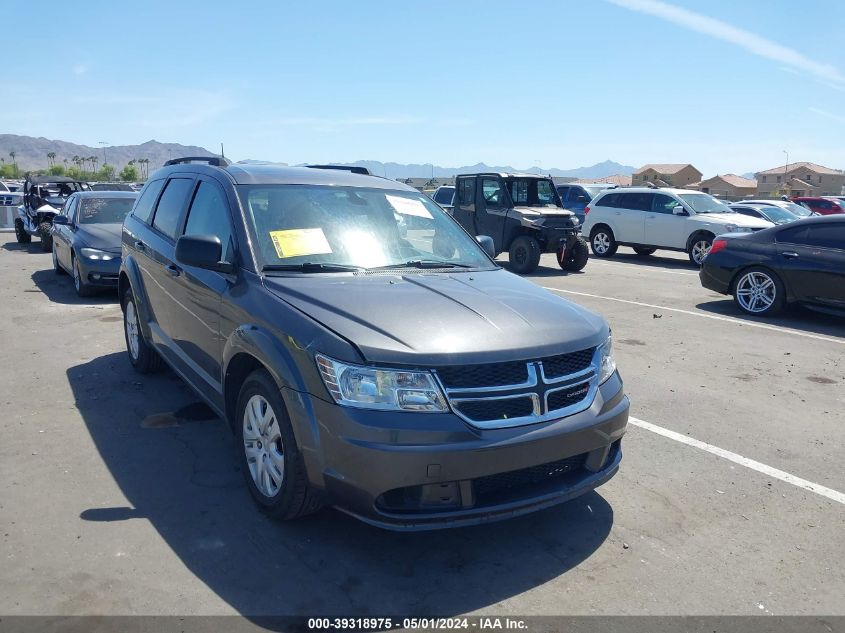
(408, 206)
(296, 242)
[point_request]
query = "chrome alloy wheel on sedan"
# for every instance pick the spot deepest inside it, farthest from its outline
(756, 292)
(263, 446)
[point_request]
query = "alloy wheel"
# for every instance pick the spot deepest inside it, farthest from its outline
(263, 446)
(756, 292)
(131, 324)
(601, 243)
(699, 251)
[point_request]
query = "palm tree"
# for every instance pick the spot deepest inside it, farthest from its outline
(94, 161)
(51, 159)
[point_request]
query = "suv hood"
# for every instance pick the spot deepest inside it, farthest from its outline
(734, 218)
(442, 319)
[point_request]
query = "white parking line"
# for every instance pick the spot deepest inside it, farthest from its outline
(762, 326)
(775, 473)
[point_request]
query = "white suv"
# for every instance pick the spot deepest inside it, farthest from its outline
(672, 219)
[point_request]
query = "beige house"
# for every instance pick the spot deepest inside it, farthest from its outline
(620, 180)
(800, 179)
(666, 175)
(728, 187)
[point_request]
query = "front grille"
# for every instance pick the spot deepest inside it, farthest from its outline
(567, 397)
(491, 375)
(489, 410)
(565, 364)
(490, 489)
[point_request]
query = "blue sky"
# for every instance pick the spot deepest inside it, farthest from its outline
(726, 85)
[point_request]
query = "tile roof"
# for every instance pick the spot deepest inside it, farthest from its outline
(664, 168)
(819, 169)
(738, 181)
(616, 179)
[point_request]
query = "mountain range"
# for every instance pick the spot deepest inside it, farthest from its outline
(31, 153)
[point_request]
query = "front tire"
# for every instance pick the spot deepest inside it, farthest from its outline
(759, 292)
(57, 267)
(524, 254)
(142, 356)
(699, 246)
(82, 289)
(576, 257)
(602, 242)
(45, 233)
(20, 232)
(269, 455)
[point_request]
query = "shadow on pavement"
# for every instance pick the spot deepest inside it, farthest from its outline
(182, 478)
(33, 247)
(796, 317)
(59, 289)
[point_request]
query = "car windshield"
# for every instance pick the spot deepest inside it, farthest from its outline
(594, 190)
(105, 210)
(703, 203)
(532, 192)
(444, 195)
(319, 228)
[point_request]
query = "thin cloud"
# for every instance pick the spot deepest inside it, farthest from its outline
(79, 69)
(349, 121)
(740, 37)
(829, 115)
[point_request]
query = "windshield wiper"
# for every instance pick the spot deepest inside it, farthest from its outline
(422, 263)
(312, 267)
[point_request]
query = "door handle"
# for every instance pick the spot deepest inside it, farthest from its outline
(140, 245)
(790, 254)
(173, 270)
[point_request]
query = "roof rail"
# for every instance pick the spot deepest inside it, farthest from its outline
(355, 169)
(217, 161)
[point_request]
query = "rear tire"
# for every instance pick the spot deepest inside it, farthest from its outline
(46, 235)
(644, 252)
(602, 242)
(759, 292)
(269, 455)
(142, 356)
(20, 233)
(576, 257)
(524, 254)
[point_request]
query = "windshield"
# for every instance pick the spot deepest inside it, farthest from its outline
(444, 195)
(105, 210)
(532, 192)
(594, 190)
(298, 225)
(703, 203)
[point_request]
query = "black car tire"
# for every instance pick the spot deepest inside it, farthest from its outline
(82, 289)
(146, 360)
(20, 233)
(57, 267)
(696, 244)
(576, 257)
(45, 233)
(602, 242)
(644, 252)
(295, 497)
(768, 279)
(524, 254)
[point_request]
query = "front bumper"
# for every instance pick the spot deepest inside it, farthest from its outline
(553, 239)
(426, 471)
(97, 272)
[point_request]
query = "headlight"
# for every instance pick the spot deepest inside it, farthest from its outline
(386, 389)
(93, 253)
(575, 221)
(607, 363)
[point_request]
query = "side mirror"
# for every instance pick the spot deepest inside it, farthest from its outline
(202, 251)
(486, 243)
(60, 219)
(679, 210)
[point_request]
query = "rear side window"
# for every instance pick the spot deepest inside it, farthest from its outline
(636, 201)
(826, 236)
(170, 205)
(209, 215)
(466, 191)
(609, 200)
(144, 206)
(792, 235)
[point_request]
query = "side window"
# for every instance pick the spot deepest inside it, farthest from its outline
(609, 200)
(826, 236)
(545, 192)
(746, 211)
(144, 206)
(792, 235)
(636, 201)
(166, 218)
(825, 204)
(209, 215)
(663, 203)
(466, 191)
(70, 209)
(492, 192)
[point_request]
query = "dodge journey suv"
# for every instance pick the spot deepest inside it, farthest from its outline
(671, 219)
(398, 375)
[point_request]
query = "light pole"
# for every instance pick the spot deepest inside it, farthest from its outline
(785, 169)
(104, 143)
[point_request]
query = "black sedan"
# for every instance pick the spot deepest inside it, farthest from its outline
(86, 238)
(803, 261)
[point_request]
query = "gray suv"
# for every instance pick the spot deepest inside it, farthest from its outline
(400, 376)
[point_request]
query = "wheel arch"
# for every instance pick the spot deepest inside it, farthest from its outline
(697, 233)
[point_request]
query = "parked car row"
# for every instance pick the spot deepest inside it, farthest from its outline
(398, 374)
